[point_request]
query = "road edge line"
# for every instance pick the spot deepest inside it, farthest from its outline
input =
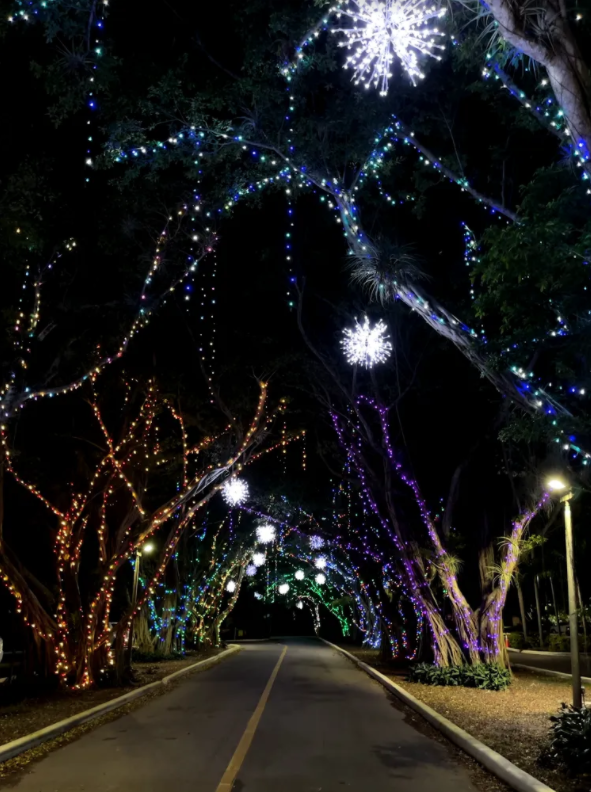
(504, 769)
(15, 747)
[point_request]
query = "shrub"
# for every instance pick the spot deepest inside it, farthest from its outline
(485, 676)
(571, 739)
(558, 643)
(561, 643)
(516, 640)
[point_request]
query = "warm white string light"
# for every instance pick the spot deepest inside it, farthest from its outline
(366, 345)
(381, 30)
(235, 492)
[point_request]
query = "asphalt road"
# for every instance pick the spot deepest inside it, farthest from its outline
(551, 662)
(326, 727)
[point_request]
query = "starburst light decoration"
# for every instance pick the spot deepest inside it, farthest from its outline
(266, 533)
(231, 586)
(316, 542)
(258, 559)
(299, 575)
(320, 562)
(365, 345)
(251, 570)
(381, 30)
(320, 579)
(283, 588)
(235, 492)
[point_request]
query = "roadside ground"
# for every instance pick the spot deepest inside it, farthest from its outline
(30, 714)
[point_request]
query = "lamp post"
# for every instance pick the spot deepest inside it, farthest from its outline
(557, 485)
(146, 549)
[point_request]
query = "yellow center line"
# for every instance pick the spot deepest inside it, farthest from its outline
(236, 761)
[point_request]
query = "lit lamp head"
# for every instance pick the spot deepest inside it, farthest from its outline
(558, 486)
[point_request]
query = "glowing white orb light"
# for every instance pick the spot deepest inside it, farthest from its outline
(299, 605)
(235, 492)
(258, 559)
(299, 575)
(266, 533)
(320, 579)
(320, 562)
(380, 30)
(258, 595)
(251, 570)
(316, 542)
(231, 586)
(283, 588)
(365, 345)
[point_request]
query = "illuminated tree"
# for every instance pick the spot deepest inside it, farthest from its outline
(124, 495)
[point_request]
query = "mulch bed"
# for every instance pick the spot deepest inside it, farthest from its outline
(514, 722)
(31, 714)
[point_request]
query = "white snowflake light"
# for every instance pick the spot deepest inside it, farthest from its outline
(381, 30)
(365, 345)
(235, 491)
(299, 605)
(320, 562)
(299, 575)
(266, 533)
(320, 579)
(251, 570)
(316, 542)
(283, 588)
(258, 559)
(231, 586)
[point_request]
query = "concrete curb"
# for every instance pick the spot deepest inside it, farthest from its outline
(586, 680)
(16, 747)
(493, 761)
(539, 653)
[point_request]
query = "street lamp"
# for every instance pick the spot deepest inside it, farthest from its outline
(146, 549)
(559, 486)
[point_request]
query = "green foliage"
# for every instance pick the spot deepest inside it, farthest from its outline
(483, 676)
(516, 640)
(561, 643)
(570, 744)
